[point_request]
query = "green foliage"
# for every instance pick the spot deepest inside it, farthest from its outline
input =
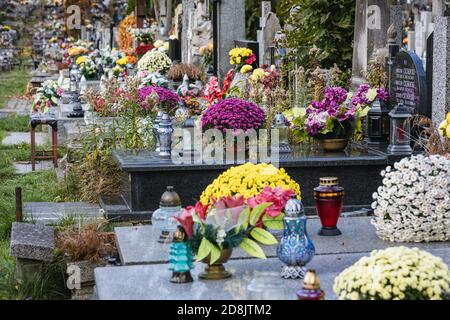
(326, 24)
(15, 123)
(13, 83)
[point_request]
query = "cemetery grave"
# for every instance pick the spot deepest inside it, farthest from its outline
(224, 150)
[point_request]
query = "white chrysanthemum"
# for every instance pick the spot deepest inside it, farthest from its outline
(154, 61)
(395, 273)
(413, 204)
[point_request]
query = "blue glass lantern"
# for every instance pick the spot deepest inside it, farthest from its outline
(296, 248)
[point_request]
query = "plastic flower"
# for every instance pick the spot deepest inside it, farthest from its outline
(277, 196)
(186, 220)
(444, 127)
(246, 68)
(80, 60)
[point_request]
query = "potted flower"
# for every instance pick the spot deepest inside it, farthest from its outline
(143, 36)
(233, 114)
(332, 121)
(214, 231)
(154, 61)
(167, 99)
(88, 67)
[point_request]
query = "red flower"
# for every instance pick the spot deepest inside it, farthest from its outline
(201, 210)
(277, 196)
(186, 220)
(227, 82)
(143, 48)
(250, 59)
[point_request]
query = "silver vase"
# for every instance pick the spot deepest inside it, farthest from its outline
(165, 131)
(155, 130)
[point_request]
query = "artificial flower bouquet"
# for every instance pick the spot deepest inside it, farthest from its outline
(226, 224)
(88, 67)
(154, 61)
(235, 114)
(161, 46)
(213, 93)
(109, 57)
(143, 36)
(47, 96)
(143, 49)
(127, 60)
(242, 59)
(337, 115)
(207, 54)
(396, 273)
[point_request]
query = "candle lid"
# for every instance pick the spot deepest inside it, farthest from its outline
(329, 181)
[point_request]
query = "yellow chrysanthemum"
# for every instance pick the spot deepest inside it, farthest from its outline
(246, 68)
(80, 60)
(248, 180)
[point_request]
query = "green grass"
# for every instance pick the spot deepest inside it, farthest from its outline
(15, 123)
(13, 83)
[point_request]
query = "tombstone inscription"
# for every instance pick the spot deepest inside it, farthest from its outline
(408, 83)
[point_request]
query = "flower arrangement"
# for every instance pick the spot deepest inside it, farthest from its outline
(233, 113)
(226, 224)
(109, 57)
(413, 204)
(143, 36)
(207, 54)
(336, 115)
(396, 273)
(167, 99)
(444, 127)
(6, 28)
(88, 68)
(213, 93)
(143, 49)
(126, 60)
(125, 36)
(47, 96)
(365, 95)
(154, 61)
(249, 180)
(239, 57)
(76, 51)
(161, 46)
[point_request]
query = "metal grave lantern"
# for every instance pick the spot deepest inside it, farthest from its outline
(377, 125)
(165, 131)
(400, 140)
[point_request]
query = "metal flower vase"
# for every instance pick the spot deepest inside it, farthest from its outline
(295, 248)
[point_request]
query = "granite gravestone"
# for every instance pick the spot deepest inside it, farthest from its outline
(408, 83)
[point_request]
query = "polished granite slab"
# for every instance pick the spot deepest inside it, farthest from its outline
(151, 282)
(145, 160)
(138, 245)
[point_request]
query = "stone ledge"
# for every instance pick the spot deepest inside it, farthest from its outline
(33, 242)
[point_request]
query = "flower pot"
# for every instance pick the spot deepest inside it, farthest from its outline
(333, 144)
(216, 271)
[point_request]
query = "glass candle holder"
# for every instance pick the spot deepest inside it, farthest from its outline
(329, 200)
(266, 286)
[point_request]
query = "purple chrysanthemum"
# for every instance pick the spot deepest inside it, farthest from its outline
(233, 113)
(165, 96)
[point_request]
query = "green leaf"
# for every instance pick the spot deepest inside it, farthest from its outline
(263, 236)
(215, 254)
(275, 223)
(242, 222)
(204, 250)
(252, 248)
(258, 211)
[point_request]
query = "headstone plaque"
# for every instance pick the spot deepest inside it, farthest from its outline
(408, 82)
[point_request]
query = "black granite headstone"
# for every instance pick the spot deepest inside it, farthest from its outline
(409, 83)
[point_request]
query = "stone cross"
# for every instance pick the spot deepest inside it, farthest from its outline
(230, 26)
(441, 70)
(270, 25)
(371, 24)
